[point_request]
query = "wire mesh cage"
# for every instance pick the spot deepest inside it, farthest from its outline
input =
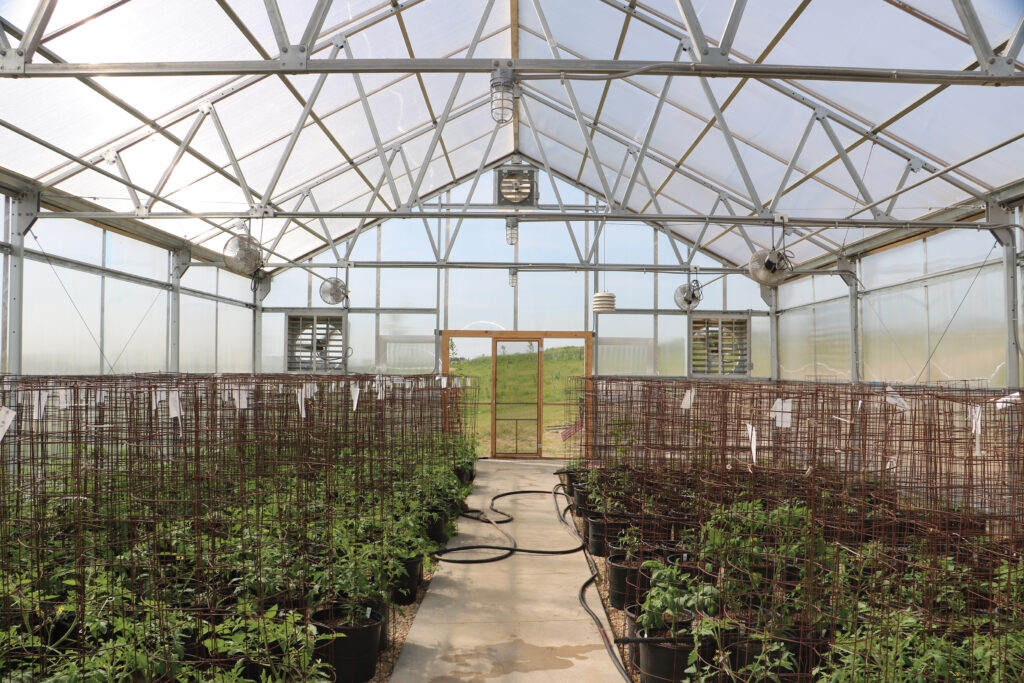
(808, 531)
(218, 527)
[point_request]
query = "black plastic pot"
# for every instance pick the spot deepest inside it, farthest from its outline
(437, 530)
(354, 654)
(403, 592)
(663, 662)
(601, 529)
(623, 578)
(632, 614)
(466, 473)
(580, 493)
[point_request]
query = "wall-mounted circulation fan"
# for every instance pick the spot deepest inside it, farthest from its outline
(333, 291)
(770, 266)
(689, 295)
(243, 255)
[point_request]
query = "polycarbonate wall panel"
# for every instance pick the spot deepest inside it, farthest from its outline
(626, 345)
(70, 239)
(972, 344)
(362, 339)
(796, 344)
(894, 265)
(760, 347)
(957, 248)
(273, 342)
(137, 258)
(672, 340)
(61, 321)
(234, 338)
(893, 335)
(832, 341)
(407, 343)
(197, 349)
(134, 328)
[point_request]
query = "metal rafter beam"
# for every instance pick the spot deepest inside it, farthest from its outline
(975, 34)
(553, 69)
(315, 24)
(552, 216)
(36, 27)
(277, 25)
(811, 99)
(604, 91)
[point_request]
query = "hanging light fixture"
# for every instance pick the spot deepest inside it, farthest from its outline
(513, 277)
(502, 94)
(512, 230)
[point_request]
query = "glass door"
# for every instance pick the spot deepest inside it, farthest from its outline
(516, 416)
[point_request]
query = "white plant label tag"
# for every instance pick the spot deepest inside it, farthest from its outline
(300, 397)
(892, 398)
(974, 416)
(1007, 400)
(688, 399)
(241, 397)
(444, 382)
(469, 381)
(752, 435)
(39, 404)
(62, 399)
(6, 418)
(782, 411)
(101, 396)
(354, 391)
(173, 404)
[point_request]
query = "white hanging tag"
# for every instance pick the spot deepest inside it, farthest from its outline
(173, 404)
(469, 381)
(1007, 400)
(688, 399)
(62, 399)
(39, 404)
(354, 391)
(6, 418)
(379, 386)
(782, 411)
(101, 396)
(300, 396)
(893, 398)
(752, 435)
(974, 417)
(444, 382)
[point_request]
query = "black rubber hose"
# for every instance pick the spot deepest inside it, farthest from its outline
(513, 548)
(612, 652)
(507, 550)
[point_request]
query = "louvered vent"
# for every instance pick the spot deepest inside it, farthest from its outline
(316, 343)
(719, 346)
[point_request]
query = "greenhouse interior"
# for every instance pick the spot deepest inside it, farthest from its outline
(655, 341)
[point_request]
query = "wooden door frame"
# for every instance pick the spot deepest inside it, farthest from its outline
(519, 335)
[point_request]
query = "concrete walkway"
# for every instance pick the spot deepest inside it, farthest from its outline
(514, 620)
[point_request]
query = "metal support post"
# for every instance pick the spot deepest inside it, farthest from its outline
(1007, 240)
(259, 294)
(180, 260)
(24, 215)
(847, 271)
(770, 295)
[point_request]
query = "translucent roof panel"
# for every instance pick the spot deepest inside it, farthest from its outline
(689, 163)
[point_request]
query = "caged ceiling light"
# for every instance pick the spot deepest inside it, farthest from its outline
(502, 94)
(512, 230)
